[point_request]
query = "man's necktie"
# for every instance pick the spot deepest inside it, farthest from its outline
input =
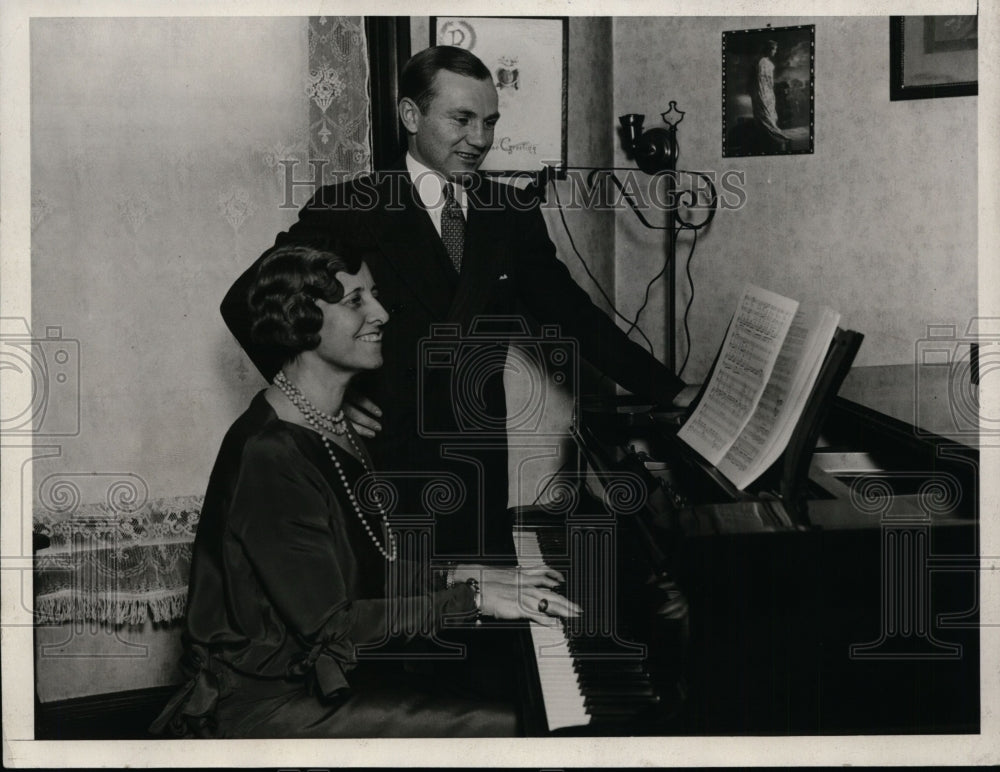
(453, 227)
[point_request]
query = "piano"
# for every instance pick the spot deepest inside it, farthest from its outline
(843, 603)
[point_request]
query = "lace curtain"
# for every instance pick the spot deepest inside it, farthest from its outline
(167, 153)
(109, 564)
(339, 107)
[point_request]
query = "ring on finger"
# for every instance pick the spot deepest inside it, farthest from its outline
(543, 605)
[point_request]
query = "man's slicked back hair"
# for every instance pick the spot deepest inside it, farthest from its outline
(417, 78)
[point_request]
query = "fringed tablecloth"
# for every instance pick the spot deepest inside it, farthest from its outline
(113, 566)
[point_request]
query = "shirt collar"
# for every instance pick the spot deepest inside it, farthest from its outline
(430, 185)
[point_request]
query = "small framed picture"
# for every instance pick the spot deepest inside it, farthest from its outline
(933, 56)
(528, 57)
(768, 91)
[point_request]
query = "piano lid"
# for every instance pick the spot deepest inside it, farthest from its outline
(935, 396)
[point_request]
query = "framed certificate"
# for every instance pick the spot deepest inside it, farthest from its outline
(528, 57)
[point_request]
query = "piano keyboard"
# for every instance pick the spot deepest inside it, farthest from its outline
(561, 693)
(585, 678)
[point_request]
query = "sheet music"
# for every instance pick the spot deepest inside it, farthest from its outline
(795, 372)
(748, 357)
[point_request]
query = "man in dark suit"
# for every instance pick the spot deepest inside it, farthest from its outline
(447, 245)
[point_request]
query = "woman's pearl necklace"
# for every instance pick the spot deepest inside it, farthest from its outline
(324, 422)
(335, 424)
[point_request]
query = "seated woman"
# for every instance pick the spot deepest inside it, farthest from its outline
(289, 573)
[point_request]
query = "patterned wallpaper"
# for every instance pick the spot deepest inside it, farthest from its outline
(167, 153)
(880, 223)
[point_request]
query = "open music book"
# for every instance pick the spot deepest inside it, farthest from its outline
(765, 372)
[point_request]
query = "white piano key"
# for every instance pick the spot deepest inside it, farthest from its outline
(561, 695)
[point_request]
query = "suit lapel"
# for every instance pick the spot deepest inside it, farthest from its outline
(407, 238)
(483, 232)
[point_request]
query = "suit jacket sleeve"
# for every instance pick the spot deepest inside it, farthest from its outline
(549, 292)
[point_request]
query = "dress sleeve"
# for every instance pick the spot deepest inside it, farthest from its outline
(550, 293)
(282, 515)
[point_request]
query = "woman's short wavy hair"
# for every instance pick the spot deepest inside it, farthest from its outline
(282, 297)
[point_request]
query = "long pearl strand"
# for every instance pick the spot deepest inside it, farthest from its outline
(324, 422)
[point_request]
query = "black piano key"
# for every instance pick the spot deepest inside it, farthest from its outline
(643, 698)
(607, 647)
(609, 670)
(604, 665)
(621, 668)
(592, 651)
(611, 710)
(602, 681)
(619, 691)
(599, 701)
(608, 681)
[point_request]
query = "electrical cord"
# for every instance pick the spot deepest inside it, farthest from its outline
(687, 308)
(634, 323)
(645, 298)
(562, 217)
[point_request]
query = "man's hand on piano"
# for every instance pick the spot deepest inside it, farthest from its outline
(521, 593)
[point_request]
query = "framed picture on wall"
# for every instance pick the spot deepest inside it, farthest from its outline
(528, 57)
(933, 56)
(768, 91)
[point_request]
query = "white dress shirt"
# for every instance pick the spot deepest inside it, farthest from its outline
(429, 186)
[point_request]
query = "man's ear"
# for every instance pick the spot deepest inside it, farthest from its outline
(409, 114)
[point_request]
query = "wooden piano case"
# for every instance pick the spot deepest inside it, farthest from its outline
(838, 594)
